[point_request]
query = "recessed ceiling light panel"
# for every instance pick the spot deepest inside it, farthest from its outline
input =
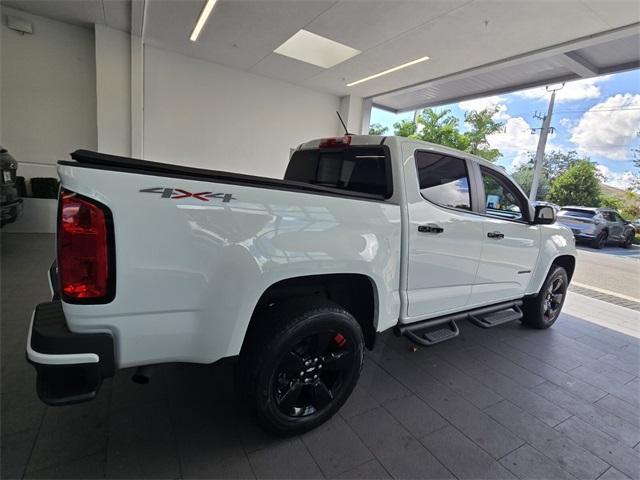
(391, 70)
(316, 50)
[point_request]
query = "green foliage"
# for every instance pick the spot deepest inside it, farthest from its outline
(405, 128)
(44, 187)
(631, 208)
(442, 128)
(556, 162)
(609, 201)
(481, 125)
(579, 185)
(524, 177)
(377, 129)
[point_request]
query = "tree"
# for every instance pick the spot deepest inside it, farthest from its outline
(481, 126)
(405, 128)
(377, 129)
(579, 185)
(609, 201)
(442, 128)
(557, 162)
(524, 177)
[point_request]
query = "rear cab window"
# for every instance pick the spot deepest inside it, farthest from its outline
(358, 169)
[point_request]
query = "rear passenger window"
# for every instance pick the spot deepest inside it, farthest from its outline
(357, 169)
(443, 180)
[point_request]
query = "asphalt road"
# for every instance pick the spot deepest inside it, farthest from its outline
(613, 269)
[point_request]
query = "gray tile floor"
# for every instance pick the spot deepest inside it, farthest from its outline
(504, 403)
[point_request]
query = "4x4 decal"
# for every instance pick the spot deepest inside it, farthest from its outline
(178, 193)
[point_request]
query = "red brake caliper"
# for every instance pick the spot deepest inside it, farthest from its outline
(340, 340)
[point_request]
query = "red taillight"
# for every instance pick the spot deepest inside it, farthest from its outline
(335, 142)
(83, 250)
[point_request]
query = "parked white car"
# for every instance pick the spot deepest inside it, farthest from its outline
(160, 263)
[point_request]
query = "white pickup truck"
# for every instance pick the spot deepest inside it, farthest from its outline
(160, 263)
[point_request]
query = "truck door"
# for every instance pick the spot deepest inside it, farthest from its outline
(444, 235)
(511, 243)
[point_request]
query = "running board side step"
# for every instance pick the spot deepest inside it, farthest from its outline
(423, 332)
(497, 318)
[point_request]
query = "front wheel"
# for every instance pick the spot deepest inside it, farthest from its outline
(307, 366)
(628, 240)
(543, 310)
(601, 240)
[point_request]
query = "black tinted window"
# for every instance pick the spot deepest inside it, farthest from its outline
(443, 180)
(357, 169)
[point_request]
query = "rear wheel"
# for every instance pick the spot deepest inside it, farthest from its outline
(601, 240)
(543, 310)
(305, 367)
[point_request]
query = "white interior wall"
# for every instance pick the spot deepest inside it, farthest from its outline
(48, 93)
(206, 115)
(113, 90)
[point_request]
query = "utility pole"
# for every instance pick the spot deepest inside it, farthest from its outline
(542, 142)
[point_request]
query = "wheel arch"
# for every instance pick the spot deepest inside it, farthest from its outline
(568, 262)
(356, 293)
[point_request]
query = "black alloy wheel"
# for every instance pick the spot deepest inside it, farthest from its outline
(311, 375)
(554, 298)
(542, 310)
(302, 364)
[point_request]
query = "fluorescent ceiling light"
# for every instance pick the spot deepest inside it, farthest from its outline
(202, 19)
(391, 70)
(316, 50)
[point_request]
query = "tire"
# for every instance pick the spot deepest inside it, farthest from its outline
(601, 240)
(304, 367)
(543, 310)
(628, 240)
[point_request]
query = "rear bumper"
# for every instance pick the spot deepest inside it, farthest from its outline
(70, 366)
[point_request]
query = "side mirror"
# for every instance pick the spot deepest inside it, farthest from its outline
(544, 215)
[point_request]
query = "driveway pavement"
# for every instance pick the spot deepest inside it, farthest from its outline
(509, 402)
(613, 269)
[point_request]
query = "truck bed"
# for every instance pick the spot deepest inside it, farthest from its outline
(101, 161)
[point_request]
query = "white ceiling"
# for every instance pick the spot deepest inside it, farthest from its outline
(113, 13)
(457, 35)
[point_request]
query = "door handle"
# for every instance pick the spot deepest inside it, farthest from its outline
(496, 235)
(430, 228)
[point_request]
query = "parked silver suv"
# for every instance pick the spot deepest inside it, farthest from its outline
(597, 225)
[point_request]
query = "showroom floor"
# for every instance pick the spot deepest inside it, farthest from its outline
(503, 403)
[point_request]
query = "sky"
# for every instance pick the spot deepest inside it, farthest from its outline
(598, 117)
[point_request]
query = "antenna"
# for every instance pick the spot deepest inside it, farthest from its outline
(346, 132)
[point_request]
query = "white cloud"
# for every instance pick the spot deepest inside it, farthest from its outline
(608, 128)
(568, 123)
(479, 104)
(584, 89)
(619, 180)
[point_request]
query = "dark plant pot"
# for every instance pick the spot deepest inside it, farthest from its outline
(44, 187)
(21, 187)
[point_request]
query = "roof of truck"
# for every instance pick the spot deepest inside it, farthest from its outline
(386, 139)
